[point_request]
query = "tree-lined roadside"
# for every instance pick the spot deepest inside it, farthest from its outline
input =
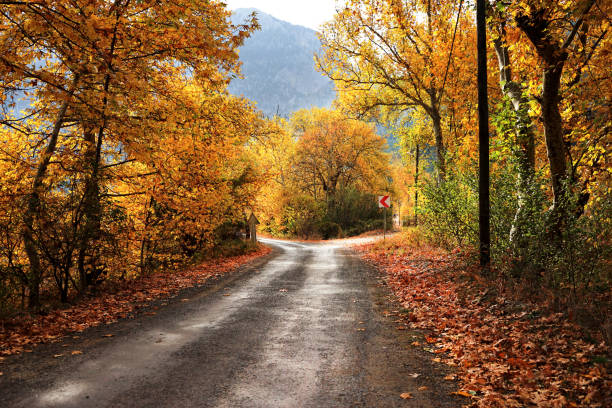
(508, 351)
(114, 301)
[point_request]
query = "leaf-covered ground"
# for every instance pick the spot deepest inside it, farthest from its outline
(506, 354)
(23, 333)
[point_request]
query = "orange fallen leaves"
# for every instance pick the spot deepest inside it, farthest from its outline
(18, 335)
(405, 395)
(506, 356)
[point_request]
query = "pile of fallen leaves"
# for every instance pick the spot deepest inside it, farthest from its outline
(21, 334)
(506, 354)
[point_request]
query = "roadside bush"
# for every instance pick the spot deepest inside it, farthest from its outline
(450, 210)
(572, 269)
(330, 229)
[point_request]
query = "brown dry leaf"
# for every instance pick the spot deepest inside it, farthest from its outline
(108, 335)
(57, 355)
(437, 360)
(415, 343)
(423, 388)
(227, 294)
(76, 352)
(450, 377)
(406, 395)
(414, 375)
(184, 300)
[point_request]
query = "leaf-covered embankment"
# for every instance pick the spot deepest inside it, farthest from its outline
(507, 354)
(117, 301)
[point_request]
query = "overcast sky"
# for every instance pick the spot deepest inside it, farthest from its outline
(309, 13)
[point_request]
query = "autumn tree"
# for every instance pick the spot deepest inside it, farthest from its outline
(573, 33)
(413, 132)
(398, 55)
(321, 163)
(90, 71)
(341, 151)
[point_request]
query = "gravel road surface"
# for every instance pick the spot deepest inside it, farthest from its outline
(303, 327)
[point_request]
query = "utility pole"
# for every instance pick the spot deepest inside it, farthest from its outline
(483, 139)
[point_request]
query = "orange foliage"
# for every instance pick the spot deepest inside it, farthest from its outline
(505, 355)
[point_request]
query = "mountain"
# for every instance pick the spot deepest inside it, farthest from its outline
(278, 67)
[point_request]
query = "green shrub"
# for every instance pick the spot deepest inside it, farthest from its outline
(449, 211)
(330, 229)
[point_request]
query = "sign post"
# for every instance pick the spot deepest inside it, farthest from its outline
(384, 202)
(253, 222)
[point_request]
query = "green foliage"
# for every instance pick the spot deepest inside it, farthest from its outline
(449, 211)
(573, 264)
(354, 211)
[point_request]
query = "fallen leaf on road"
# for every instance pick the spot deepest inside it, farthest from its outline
(415, 343)
(184, 300)
(57, 355)
(406, 395)
(414, 375)
(462, 393)
(75, 352)
(423, 388)
(227, 294)
(108, 335)
(451, 377)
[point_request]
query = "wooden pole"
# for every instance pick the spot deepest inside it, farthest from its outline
(483, 138)
(384, 223)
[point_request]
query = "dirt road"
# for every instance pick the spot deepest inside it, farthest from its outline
(302, 328)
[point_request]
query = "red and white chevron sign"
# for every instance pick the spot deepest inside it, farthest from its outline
(384, 201)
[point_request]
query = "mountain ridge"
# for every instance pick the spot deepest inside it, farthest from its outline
(278, 67)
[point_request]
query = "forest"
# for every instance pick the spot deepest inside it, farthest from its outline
(412, 66)
(122, 153)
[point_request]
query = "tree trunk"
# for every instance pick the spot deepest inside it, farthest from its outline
(91, 210)
(440, 149)
(525, 139)
(554, 54)
(553, 133)
(33, 205)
